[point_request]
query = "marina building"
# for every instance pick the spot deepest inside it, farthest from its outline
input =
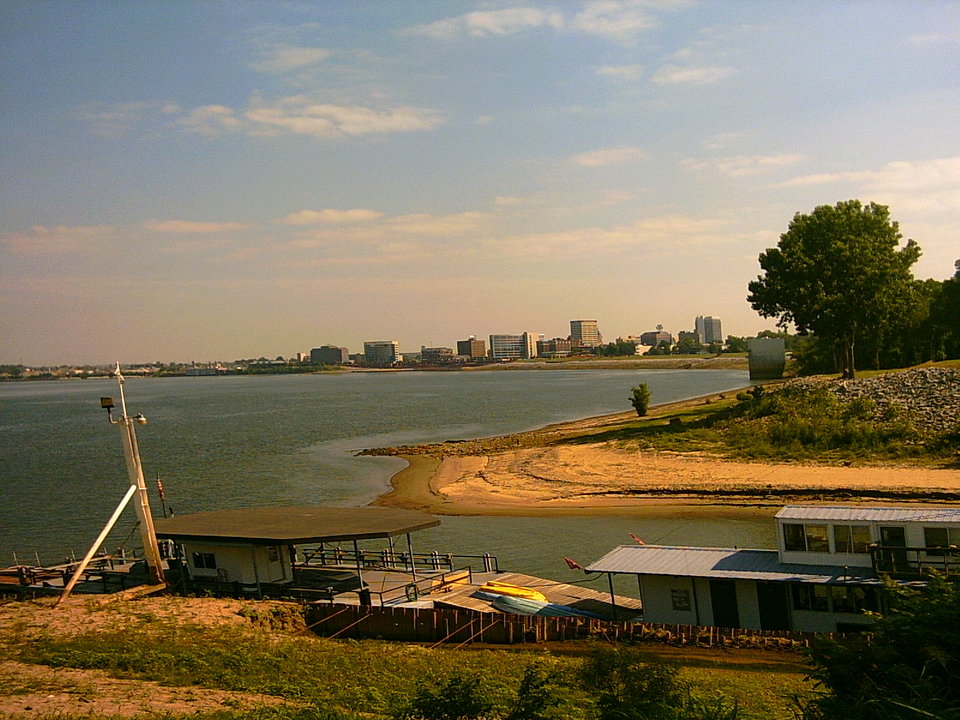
(828, 569)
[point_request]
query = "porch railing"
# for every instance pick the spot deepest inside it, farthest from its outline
(914, 562)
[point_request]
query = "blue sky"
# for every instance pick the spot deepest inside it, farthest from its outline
(219, 180)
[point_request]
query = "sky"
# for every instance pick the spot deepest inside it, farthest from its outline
(222, 180)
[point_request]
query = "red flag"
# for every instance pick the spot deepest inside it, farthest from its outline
(572, 564)
(636, 538)
(160, 488)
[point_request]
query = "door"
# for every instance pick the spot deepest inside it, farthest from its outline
(892, 538)
(774, 609)
(723, 600)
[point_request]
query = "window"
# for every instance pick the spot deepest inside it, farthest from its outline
(817, 538)
(851, 538)
(680, 599)
(793, 537)
(205, 561)
(940, 537)
(273, 554)
(811, 597)
(805, 538)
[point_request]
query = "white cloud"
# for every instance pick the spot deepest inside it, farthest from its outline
(186, 226)
(284, 58)
(212, 120)
(624, 73)
(609, 156)
(744, 165)
(59, 239)
(508, 21)
(935, 39)
(299, 115)
(705, 75)
(117, 120)
(330, 217)
(618, 21)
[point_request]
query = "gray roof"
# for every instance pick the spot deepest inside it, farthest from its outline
(292, 525)
(851, 513)
(727, 563)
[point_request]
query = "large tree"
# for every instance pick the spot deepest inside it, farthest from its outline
(838, 272)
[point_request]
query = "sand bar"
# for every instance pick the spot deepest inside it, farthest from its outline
(537, 473)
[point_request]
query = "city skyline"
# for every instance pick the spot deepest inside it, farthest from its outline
(225, 180)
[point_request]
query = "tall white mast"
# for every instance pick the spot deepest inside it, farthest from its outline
(131, 453)
(138, 487)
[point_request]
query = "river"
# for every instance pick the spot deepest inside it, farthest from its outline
(224, 442)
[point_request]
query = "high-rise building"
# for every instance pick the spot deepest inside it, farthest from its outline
(514, 347)
(708, 329)
(471, 347)
(381, 352)
(584, 333)
(330, 355)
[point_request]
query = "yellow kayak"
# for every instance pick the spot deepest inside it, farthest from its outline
(499, 588)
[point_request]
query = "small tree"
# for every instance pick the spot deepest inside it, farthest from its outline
(640, 399)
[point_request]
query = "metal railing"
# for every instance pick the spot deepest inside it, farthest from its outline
(325, 556)
(904, 562)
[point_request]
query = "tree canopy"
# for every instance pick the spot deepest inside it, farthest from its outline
(838, 272)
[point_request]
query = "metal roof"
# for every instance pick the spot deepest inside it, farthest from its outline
(268, 525)
(727, 563)
(851, 513)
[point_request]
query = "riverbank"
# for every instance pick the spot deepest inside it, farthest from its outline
(559, 470)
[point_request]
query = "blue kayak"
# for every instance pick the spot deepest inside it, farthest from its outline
(525, 606)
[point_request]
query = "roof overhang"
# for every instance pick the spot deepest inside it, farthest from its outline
(293, 525)
(725, 563)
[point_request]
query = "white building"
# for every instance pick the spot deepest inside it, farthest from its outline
(514, 347)
(828, 569)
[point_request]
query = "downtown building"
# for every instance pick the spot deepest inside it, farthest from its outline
(381, 353)
(514, 347)
(708, 329)
(330, 355)
(585, 333)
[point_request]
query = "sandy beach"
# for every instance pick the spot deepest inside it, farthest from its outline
(536, 473)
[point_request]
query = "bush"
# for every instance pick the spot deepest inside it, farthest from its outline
(640, 399)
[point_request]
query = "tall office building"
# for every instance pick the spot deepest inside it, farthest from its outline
(330, 355)
(381, 352)
(514, 347)
(471, 347)
(585, 333)
(708, 329)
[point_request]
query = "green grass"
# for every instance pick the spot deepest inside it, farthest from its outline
(788, 425)
(347, 679)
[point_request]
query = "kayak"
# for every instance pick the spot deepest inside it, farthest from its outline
(525, 606)
(498, 588)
